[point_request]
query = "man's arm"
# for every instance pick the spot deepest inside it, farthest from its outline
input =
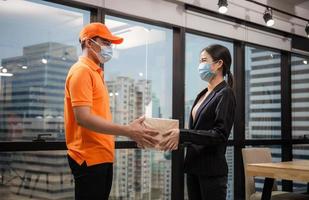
(135, 130)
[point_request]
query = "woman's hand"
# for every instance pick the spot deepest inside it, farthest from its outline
(170, 140)
(141, 134)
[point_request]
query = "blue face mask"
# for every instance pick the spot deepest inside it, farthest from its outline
(105, 54)
(204, 70)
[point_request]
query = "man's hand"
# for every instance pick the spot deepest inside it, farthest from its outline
(171, 140)
(143, 136)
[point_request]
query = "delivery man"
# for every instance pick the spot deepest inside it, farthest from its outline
(88, 121)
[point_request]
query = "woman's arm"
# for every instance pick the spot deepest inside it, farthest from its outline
(223, 122)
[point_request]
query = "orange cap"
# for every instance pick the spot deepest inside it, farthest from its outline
(98, 29)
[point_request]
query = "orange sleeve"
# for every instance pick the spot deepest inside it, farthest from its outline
(80, 88)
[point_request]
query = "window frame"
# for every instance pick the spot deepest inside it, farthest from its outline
(238, 141)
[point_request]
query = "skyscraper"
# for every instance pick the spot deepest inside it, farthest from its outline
(300, 108)
(263, 97)
(32, 104)
(138, 174)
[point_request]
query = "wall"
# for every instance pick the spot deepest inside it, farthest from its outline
(172, 11)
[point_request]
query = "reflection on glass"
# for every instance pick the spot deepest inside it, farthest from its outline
(139, 83)
(38, 44)
(263, 97)
(35, 175)
(37, 50)
(230, 181)
(300, 109)
(194, 85)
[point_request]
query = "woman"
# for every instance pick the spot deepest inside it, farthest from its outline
(211, 120)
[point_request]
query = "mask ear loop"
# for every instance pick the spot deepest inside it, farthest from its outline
(98, 56)
(95, 43)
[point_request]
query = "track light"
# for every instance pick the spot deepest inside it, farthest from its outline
(268, 17)
(222, 6)
(307, 29)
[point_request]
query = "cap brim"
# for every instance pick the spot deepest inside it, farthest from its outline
(114, 39)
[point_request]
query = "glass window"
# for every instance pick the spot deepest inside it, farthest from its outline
(139, 75)
(300, 109)
(35, 175)
(141, 174)
(300, 96)
(139, 82)
(263, 97)
(38, 44)
(229, 155)
(194, 85)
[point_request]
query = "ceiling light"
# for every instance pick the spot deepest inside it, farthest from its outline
(222, 6)
(305, 62)
(44, 60)
(6, 74)
(24, 67)
(268, 17)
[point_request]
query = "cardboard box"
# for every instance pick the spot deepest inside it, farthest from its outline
(161, 125)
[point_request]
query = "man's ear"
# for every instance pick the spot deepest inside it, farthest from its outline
(88, 43)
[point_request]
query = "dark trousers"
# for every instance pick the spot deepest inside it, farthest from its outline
(206, 188)
(92, 183)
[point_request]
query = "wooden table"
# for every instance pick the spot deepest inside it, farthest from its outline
(293, 170)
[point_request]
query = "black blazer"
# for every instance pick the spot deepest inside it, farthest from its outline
(207, 137)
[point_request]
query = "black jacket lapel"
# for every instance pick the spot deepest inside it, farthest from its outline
(207, 100)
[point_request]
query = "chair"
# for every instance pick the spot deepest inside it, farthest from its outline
(263, 155)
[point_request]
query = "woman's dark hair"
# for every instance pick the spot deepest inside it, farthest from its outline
(219, 52)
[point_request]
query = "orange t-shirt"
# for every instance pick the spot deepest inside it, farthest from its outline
(85, 86)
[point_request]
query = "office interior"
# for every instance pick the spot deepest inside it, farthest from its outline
(153, 73)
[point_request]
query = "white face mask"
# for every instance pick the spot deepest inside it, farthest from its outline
(105, 54)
